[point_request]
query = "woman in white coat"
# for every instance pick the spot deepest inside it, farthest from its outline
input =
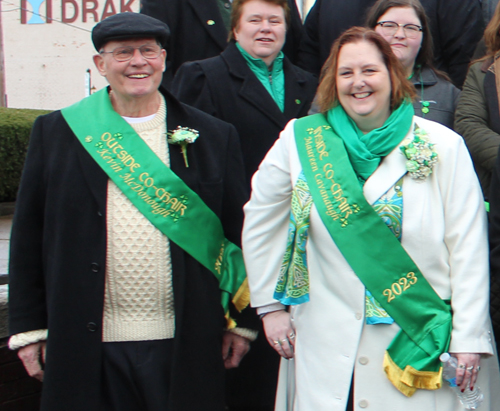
(365, 245)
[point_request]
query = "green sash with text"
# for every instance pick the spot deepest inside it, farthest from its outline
(378, 259)
(159, 194)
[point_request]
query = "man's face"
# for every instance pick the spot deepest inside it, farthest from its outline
(136, 78)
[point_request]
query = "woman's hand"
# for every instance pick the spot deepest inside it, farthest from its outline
(280, 333)
(467, 369)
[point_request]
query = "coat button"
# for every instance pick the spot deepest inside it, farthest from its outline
(359, 316)
(92, 327)
(227, 5)
(363, 404)
(363, 360)
(99, 214)
(94, 267)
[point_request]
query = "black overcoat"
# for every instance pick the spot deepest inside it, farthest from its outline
(58, 261)
(456, 27)
(197, 31)
(226, 88)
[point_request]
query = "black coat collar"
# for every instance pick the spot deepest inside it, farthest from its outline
(254, 92)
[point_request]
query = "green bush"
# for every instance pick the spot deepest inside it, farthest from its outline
(15, 128)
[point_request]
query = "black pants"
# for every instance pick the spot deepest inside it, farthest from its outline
(136, 375)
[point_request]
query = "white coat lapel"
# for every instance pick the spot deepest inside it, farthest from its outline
(390, 170)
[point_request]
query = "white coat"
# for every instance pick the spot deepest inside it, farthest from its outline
(444, 231)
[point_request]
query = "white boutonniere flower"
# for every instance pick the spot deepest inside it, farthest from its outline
(183, 136)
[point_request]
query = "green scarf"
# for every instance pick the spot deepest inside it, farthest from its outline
(276, 87)
(366, 150)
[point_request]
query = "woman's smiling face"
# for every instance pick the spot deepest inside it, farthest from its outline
(261, 30)
(364, 85)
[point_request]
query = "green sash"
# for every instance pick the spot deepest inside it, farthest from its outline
(377, 258)
(158, 193)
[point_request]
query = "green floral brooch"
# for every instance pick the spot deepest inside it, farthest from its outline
(183, 136)
(420, 156)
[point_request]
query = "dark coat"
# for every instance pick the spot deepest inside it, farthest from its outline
(198, 32)
(477, 120)
(58, 261)
(226, 88)
(456, 27)
(441, 95)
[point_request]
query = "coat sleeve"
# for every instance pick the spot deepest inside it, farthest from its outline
(465, 237)
(460, 28)
(27, 299)
(267, 217)
(234, 197)
(472, 118)
(191, 86)
(235, 190)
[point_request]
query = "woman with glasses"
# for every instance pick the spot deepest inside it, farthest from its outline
(404, 25)
(365, 246)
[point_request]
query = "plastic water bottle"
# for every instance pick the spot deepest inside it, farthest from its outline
(471, 400)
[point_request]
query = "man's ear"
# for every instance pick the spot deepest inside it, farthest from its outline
(163, 55)
(100, 64)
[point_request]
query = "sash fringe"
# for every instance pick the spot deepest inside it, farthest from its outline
(230, 323)
(242, 297)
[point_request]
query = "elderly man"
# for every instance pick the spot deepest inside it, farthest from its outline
(122, 269)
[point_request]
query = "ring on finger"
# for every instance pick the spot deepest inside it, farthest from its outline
(284, 340)
(478, 368)
(292, 336)
(470, 368)
(461, 366)
(277, 342)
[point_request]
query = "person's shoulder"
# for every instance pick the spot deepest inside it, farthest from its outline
(301, 74)
(481, 66)
(207, 69)
(220, 131)
(202, 64)
(438, 133)
(50, 120)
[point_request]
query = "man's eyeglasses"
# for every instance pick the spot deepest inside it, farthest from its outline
(389, 28)
(126, 53)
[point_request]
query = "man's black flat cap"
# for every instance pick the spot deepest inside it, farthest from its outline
(129, 25)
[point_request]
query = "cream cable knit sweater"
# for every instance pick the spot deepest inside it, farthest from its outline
(139, 299)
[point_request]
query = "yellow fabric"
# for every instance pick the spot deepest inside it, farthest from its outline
(230, 322)
(408, 380)
(242, 297)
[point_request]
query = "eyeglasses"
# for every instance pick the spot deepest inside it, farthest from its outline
(126, 53)
(389, 28)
